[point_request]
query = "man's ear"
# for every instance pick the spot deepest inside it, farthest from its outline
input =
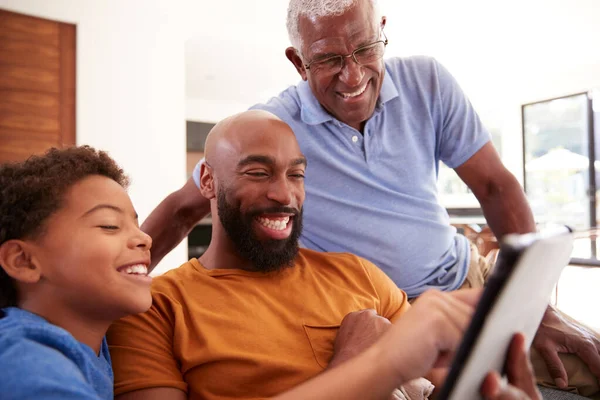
(383, 21)
(292, 54)
(207, 181)
(18, 263)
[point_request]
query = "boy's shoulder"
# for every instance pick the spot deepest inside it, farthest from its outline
(32, 369)
(17, 325)
(22, 331)
(38, 357)
(34, 339)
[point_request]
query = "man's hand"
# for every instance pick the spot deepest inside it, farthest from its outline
(427, 335)
(358, 331)
(521, 380)
(558, 335)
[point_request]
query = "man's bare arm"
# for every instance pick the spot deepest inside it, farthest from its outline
(498, 191)
(174, 218)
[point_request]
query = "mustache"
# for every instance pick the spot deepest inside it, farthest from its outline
(275, 210)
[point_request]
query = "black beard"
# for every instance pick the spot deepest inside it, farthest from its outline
(266, 255)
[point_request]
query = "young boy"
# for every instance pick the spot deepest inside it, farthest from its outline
(73, 260)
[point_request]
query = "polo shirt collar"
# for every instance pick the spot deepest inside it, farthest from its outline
(388, 89)
(312, 113)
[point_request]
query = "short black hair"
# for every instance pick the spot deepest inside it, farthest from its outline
(32, 190)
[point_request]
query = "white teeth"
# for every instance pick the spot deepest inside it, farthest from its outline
(354, 94)
(275, 224)
(139, 269)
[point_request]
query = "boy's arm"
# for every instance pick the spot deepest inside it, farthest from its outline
(173, 219)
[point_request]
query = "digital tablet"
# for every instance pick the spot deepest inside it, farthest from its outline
(514, 300)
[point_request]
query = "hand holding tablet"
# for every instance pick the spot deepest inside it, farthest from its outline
(514, 300)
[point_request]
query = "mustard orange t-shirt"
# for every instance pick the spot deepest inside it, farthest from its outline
(228, 333)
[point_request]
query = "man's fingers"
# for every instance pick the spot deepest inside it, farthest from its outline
(467, 296)
(589, 354)
(494, 389)
(520, 371)
(556, 369)
(491, 386)
(595, 340)
(353, 316)
(516, 369)
(510, 393)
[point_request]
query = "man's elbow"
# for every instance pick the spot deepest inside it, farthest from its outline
(187, 206)
(499, 187)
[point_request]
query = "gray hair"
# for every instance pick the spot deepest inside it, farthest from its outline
(316, 9)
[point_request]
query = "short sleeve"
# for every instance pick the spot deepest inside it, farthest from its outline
(141, 348)
(32, 370)
(462, 133)
(393, 301)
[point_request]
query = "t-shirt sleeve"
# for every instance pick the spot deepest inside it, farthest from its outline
(141, 348)
(393, 301)
(32, 370)
(461, 133)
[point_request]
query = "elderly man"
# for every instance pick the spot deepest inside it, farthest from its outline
(374, 133)
(255, 316)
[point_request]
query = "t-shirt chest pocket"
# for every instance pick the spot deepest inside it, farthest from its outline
(322, 339)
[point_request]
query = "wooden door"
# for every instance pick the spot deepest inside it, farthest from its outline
(37, 85)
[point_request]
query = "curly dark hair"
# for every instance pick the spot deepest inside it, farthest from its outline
(32, 190)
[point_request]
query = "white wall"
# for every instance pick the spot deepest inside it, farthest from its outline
(203, 110)
(130, 89)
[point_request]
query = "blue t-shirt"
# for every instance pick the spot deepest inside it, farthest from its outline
(39, 360)
(375, 194)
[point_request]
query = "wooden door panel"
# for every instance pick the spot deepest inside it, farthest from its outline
(25, 78)
(68, 45)
(21, 27)
(29, 54)
(19, 145)
(34, 122)
(30, 103)
(37, 85)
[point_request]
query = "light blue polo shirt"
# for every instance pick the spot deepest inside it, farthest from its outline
(375, 195)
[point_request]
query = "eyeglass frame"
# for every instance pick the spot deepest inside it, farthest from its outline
(353, 54)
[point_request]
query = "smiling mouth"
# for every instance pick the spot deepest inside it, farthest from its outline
(138, 269)
(277, 224)
(356, 93)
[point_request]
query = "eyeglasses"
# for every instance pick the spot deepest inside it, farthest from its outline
(363, 55)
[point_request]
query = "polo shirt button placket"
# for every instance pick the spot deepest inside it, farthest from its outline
(354, 139)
